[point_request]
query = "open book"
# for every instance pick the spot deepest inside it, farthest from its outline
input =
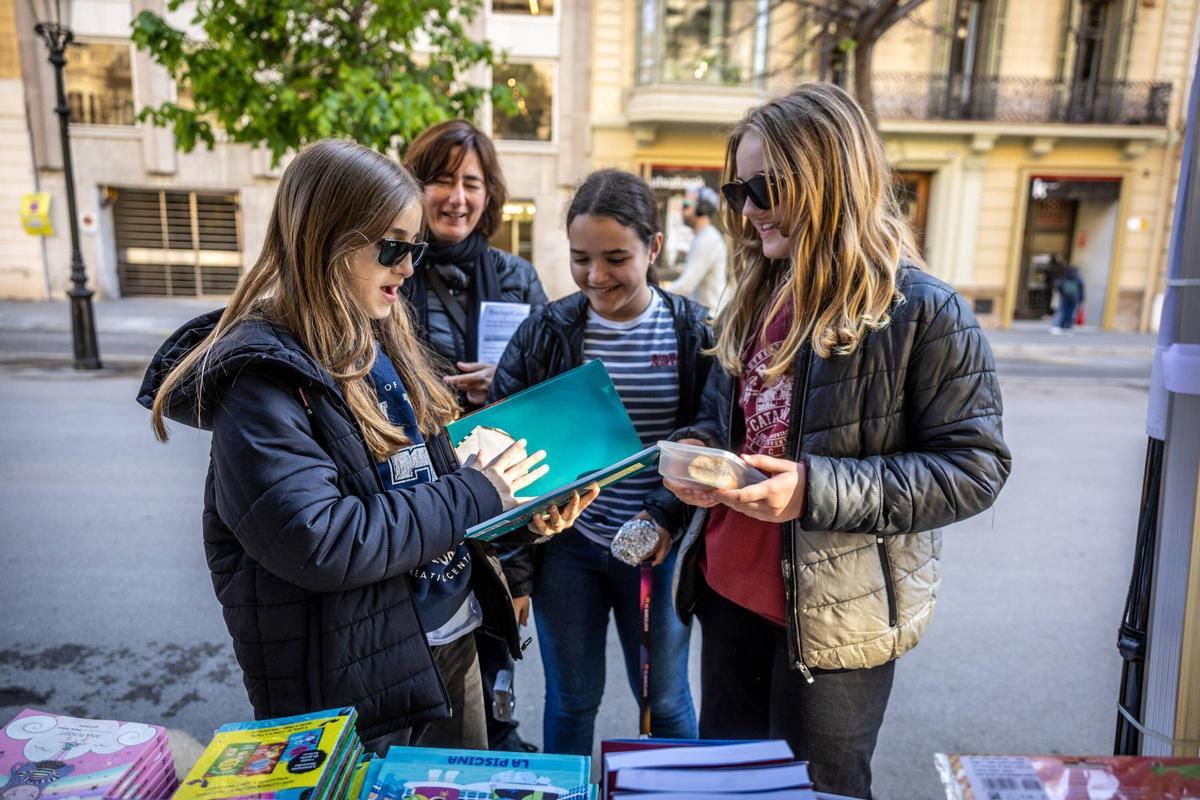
(578, 419)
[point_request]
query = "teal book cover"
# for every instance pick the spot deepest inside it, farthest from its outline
(578, 419)
(426, 773)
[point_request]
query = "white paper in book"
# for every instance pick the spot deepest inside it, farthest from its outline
(497, 324)
(714, 781)
(721, 755)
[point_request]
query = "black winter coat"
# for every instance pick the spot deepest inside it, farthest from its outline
(900, 438)
(309, 553)
(507, 277)
(550, 342)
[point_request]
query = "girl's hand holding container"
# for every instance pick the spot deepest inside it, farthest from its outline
(780, 498)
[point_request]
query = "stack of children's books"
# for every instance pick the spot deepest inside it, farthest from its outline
(52, 756)
(418, 773)
(307, 757)
(688, 769)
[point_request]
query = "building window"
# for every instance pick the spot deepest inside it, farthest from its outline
(515, 234)
(531, 8)
(532, 88)
(693, 41)
(99, 84)
(912, 195)
(177, 244)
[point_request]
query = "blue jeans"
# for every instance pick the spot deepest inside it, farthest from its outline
(575, 586)
(1066, 313)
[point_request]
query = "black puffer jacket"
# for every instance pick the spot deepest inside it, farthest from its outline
(550, 342)
(309, 553)
(507, 277)
(900, 438)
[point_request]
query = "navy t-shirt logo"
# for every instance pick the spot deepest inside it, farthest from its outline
(441, 586)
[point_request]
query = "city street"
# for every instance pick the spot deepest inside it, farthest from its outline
(109, 611)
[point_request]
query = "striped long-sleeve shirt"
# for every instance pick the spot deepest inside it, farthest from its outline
(642, 356)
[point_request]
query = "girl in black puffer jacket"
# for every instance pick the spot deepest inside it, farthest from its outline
(652, 343)
(866, 391)
(331, 478)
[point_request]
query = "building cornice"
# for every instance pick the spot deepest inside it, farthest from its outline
(1026, 130)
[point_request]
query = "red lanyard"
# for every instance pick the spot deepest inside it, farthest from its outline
(647, 583)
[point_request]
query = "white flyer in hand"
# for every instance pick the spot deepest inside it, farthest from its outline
(497, 324)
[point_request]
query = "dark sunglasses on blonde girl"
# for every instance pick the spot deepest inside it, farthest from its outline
(759, 189)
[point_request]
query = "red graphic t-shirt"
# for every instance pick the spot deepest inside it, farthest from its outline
(742, 555)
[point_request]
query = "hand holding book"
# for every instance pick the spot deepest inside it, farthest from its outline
(510, 471)
(556, 520)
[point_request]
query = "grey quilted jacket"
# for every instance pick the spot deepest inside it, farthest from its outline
(900, 438)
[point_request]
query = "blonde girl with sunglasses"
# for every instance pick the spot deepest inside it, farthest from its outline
(864, 389)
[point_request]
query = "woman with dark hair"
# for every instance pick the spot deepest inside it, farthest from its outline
(465, 195)
(464, 199)
(652, 344)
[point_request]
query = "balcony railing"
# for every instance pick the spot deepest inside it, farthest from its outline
(1030, 100)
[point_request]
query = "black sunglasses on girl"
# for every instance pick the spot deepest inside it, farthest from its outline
(393, 251)
(756, 189)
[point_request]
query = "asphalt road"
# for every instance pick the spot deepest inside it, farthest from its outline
(108, 609)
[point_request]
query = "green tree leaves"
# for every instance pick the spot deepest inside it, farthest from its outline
(282, 73)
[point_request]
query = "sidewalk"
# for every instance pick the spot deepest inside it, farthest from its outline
(143, 315)
(1032, 339)
(159, 317)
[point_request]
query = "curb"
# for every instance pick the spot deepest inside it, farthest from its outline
(1080, 351)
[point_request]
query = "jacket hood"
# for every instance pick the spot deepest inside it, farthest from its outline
(252, 341)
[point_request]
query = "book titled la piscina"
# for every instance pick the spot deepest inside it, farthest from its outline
(408, 773)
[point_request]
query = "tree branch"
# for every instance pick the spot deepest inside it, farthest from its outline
(865, 30)
(900, 13)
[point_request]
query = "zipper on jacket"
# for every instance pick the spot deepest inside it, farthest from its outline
(886, 562)
(304, 401)
(790, 568)
(794, 650)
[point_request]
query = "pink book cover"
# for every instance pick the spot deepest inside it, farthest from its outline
(46, 756)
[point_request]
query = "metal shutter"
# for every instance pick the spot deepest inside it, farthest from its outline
(177, 244)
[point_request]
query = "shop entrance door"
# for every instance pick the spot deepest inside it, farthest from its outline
(1073, 218)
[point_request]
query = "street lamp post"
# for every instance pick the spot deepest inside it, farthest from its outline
(57, 36)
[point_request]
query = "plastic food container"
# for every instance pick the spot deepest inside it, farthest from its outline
(705, 467)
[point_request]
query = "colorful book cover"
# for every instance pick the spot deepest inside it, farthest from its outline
(984, 777)
(579, 420)
(51, 756)
(359, 777)
(417, 773)
(277, 759)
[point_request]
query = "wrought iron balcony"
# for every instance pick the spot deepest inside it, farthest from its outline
(1029, 100)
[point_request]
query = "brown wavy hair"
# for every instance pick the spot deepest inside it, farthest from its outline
(334, 197)
(833, 199)
(440, 150)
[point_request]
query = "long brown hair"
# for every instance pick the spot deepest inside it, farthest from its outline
(833, 199)
(439, 151)
(335, 197)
